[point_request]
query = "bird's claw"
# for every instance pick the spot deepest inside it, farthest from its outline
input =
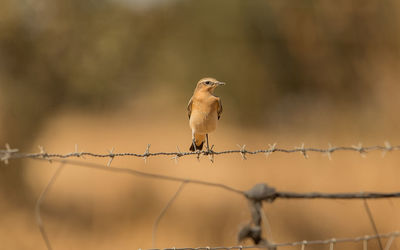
(209, 151)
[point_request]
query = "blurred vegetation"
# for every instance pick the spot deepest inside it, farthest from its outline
(280, 58)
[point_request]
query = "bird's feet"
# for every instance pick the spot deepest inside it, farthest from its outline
(209, 150)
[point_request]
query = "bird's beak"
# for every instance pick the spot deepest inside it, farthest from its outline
(221, 83)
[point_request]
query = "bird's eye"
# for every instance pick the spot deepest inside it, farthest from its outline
(207, 82)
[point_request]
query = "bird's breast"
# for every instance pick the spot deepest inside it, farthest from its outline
(203, 122)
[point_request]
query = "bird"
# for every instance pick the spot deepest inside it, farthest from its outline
(204, 109)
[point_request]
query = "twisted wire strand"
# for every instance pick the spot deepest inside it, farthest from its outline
(7, 154)
(292, 244)
(271, 196)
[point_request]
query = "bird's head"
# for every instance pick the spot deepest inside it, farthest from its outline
(208, 84)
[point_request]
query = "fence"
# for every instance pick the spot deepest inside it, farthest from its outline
(257, 230)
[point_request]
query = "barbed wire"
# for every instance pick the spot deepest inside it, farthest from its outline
(259, 192)
(9, 153)
(256, 195)
(331, 242)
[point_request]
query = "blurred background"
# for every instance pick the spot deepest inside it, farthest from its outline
(119, 73)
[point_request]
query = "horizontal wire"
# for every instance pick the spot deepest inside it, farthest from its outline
(269, 197)
(6, 154)
(289, 244)
(317, 195)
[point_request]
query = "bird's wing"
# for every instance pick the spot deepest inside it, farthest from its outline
(189, 107)
(219, 111)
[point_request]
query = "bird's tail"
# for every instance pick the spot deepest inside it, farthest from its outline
(199, 141)
(198, 147)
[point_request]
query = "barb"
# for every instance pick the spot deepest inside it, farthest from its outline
(296, 243)
(243, 151)
(270, 150)
(8, 153)
(164, 210)
(78, 154)
(211, 154)
(111, 157)
(365, 244)
(43, 151)
(146, 153)
(360, 149)
(176, 157)
(389, 243)
(39, 203)
(303, 244)
(388, 147)
(331, 245)
(329, 151)
(302, 150)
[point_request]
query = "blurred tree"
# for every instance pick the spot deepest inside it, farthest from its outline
(279, 58)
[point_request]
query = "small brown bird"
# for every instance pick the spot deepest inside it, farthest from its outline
(204, 109)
